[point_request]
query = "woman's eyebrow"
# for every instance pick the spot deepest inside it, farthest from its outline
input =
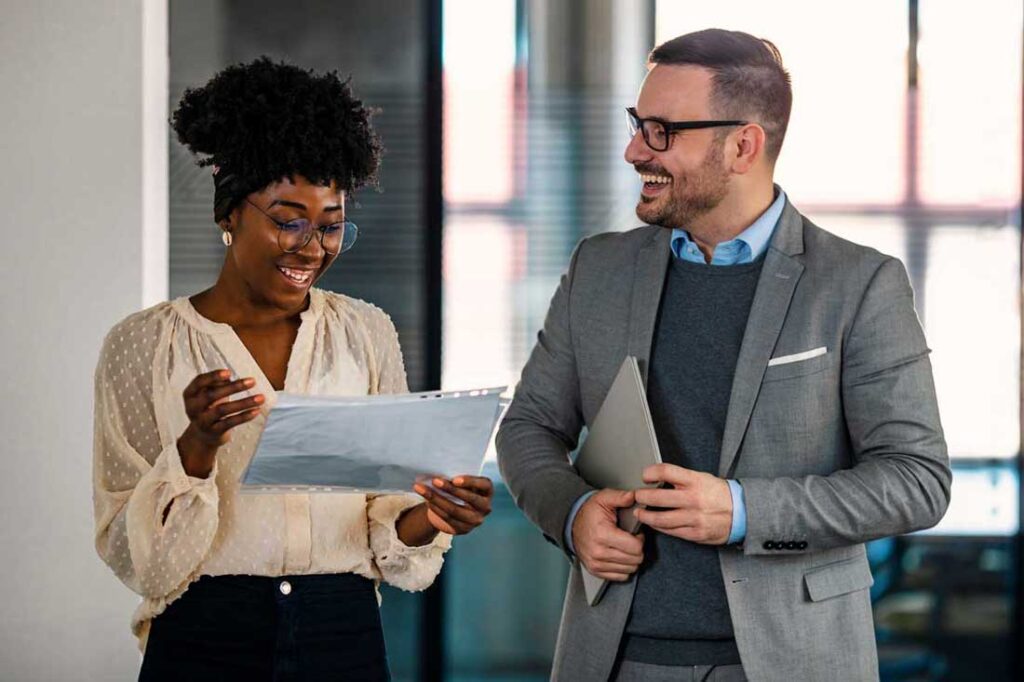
(302, 207)
(285, 202)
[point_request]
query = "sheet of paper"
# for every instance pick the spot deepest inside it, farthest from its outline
(372, 443)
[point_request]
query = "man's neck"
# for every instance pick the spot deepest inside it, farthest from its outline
(729, 219)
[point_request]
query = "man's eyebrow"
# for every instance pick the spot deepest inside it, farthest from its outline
(659, 119)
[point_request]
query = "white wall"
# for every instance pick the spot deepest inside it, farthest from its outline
(83, 242)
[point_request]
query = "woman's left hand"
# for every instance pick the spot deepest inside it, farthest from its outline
(454, 519)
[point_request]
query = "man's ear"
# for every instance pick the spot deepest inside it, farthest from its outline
(749, 144)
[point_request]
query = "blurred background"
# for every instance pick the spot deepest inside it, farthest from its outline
(504, 129)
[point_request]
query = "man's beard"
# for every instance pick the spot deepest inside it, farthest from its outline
(689, 197)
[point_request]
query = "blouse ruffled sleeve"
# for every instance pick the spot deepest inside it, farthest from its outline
(154, 523)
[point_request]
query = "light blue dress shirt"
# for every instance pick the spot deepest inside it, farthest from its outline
(747, 247)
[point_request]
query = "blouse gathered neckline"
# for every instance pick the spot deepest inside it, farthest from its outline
(183, 306)
(231, 343)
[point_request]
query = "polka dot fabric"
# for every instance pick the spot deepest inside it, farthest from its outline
(159, 529)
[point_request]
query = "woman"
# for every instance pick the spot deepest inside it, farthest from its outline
(261, 586)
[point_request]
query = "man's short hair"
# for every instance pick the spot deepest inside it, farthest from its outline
(749, 81)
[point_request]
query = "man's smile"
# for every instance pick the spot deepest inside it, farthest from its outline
(654, 183)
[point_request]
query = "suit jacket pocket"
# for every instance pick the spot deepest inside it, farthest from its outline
(799, 368)
(832, 580)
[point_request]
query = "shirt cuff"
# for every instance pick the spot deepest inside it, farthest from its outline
(572, 517)
(739, 513)
(408, 568)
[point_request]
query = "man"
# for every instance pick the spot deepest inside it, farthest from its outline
(790, 387)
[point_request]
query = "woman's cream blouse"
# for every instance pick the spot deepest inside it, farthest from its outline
(344, 347)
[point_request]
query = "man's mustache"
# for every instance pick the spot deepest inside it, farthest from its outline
(650, 169)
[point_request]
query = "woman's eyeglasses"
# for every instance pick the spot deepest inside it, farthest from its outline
(293, 235)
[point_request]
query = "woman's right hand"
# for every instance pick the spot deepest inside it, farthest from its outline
(212, 416)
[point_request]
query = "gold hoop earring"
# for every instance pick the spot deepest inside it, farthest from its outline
(225, 237)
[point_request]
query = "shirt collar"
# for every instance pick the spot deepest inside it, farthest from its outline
(746, 247)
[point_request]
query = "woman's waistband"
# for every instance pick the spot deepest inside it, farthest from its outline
(319, 585)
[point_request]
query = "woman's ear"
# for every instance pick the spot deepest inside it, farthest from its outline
(230, 221)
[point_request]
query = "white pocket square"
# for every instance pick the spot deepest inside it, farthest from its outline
(797, 357)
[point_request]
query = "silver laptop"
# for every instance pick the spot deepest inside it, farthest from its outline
(620, 445)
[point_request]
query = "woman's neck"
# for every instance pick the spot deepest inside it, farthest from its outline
(234, 303)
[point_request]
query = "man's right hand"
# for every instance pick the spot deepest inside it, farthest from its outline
(211, 416)
(607, 551)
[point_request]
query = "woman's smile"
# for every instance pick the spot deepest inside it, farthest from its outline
(297, 277)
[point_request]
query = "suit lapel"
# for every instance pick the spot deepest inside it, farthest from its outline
(651, 266)
(775, 287)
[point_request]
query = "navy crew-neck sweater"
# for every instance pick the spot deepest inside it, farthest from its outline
(680, 615)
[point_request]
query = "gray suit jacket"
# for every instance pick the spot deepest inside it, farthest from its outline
(832, 451)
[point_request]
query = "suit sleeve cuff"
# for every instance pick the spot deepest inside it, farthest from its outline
(572, 517)
(739, 513)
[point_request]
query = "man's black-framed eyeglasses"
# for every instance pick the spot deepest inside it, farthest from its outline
(293, 235)
(658, 134)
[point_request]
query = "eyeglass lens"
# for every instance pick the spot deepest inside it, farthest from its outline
(654, 132)
(336, 238)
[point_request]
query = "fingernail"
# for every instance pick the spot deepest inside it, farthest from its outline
(249, 382)
(223, 374)
(438, 482)
(460, 480)
(258, 398)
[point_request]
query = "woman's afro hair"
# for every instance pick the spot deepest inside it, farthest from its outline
(264, 121)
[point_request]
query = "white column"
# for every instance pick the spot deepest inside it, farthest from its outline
(83, 242)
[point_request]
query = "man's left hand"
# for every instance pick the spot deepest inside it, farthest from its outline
(697, 507)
